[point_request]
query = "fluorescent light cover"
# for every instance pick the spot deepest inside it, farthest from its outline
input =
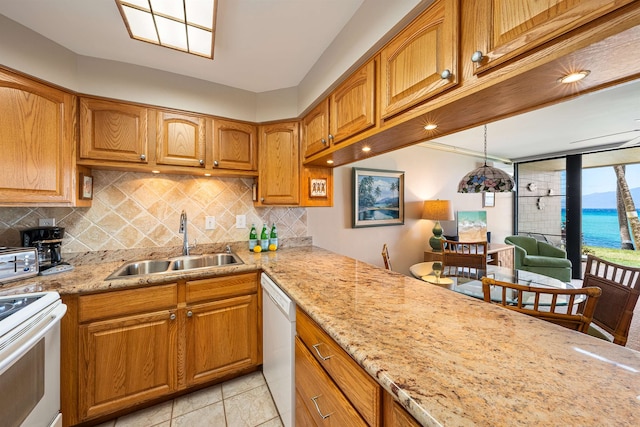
(163, 22)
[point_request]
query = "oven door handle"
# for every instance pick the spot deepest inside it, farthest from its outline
(38, 331)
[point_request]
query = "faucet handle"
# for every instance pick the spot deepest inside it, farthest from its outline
(227, 249)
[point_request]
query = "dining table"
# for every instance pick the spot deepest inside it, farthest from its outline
(468, 281)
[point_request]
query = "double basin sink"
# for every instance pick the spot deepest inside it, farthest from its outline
(182, 263)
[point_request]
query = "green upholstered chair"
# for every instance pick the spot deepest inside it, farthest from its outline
(540, 257)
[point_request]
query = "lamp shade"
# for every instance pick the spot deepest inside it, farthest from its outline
(486, 179)
(437, 210)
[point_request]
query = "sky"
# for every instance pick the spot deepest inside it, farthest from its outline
(601, 180)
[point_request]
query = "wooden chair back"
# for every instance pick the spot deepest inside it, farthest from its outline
(551, 311)
(464, 254)
(385, 257)
(620, 290)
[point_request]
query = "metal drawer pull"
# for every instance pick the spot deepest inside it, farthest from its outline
(315, 347)
(314, 400)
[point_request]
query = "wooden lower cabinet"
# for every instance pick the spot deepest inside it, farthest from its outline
(127, 347)
(333, 390)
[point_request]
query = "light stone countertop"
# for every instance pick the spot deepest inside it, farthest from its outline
(447, 358)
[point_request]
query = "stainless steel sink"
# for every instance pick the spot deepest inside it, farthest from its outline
(182, 263)
(141, 267)
(199, 261)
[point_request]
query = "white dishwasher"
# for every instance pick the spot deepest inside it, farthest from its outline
(278, 359)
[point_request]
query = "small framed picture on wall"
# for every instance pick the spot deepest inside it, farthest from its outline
(86, 187)
(488, 200)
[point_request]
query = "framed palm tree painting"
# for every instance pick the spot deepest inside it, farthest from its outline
(378, 197)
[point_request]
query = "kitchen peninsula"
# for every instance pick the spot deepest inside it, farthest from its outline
(446, 358)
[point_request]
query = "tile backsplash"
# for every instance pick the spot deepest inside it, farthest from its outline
(139, 210)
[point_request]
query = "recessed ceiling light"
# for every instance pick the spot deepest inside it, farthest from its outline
(155, 171)
(207, 174)
(330, 162)
(431, 126)
(366, 149)
(574, 77)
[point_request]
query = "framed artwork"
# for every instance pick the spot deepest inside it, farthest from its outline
(86, 186)
(472, 226)
(318, 187)
(488, 199)
(378, 198)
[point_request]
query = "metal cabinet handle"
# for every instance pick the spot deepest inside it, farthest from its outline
(201, 162)
(143, 157)
(215, 163)
(324, 141)
(477, 56)
(315, 347)
(262, 199)
(173, 316)
(330, 136)
(314, 400)
(445, 75)
(189, 313)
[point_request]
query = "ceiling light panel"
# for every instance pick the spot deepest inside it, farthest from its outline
(186, 25)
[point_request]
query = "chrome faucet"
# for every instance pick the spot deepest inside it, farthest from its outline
(183, 230)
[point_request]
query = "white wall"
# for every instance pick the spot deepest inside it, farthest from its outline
(429, 174)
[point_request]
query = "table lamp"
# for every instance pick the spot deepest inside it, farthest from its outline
(437, 210)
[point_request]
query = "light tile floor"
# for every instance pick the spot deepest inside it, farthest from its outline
(241, 402)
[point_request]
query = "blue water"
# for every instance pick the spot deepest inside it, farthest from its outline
(600, 227)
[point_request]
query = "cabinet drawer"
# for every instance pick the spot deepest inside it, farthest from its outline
(356, 384)
(221, 287)
(125, 302)
(324, 402)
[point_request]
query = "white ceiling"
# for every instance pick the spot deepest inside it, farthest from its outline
(264, 45)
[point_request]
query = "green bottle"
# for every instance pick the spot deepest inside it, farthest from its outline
(273, 238)
(264, 238)
(253, 237)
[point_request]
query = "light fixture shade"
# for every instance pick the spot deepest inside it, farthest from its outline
(486, 179)
(437, 210)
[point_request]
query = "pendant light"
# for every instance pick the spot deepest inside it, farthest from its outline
(486, 178)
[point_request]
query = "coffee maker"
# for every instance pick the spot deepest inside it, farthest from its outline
(48, 242)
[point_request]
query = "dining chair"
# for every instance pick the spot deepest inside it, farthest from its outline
(620, 286)
(385, 257)
(464, 254)
(551, 304)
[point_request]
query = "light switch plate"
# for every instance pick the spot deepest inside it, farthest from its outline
(241, 221)
(46, 222)
(210, 223)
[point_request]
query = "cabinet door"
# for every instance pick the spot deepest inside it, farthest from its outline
(37, 140)
(125, 361)
(279, 164)
(351, 105)
(315, 130)
(235, 145)
(505, 28)
(413, 63)
(221, 338)
(180, 139)
(113, 131)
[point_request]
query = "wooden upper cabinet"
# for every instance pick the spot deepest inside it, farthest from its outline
(37, 140)
(352, 104)
(505, 29)
(421, 61)
(315, 130)
(113, 131)
(235, 145)
(180, 139)
(279, 164)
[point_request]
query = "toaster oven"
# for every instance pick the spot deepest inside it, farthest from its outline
(18, 263)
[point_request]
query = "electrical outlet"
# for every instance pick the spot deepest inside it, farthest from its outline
(241, 221)
(210, 223)
(47, 222)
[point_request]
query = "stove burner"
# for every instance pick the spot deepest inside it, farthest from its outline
(11, 306)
